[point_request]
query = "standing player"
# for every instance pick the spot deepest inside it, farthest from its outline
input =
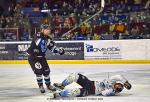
(107, 87)
(37, 60)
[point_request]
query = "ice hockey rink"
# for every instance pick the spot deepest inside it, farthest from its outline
(18, 83)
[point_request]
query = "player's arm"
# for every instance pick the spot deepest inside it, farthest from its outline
(56, 50)
(33, 49)
(108, 92)
(118, 78)
(121, 78)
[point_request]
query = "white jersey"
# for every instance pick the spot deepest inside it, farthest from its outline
(105, 87)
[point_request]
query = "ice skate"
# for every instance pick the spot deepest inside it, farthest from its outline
(53, 95)
(42, 90)
(59, 86)
(51, 88)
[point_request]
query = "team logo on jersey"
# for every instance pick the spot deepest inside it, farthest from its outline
(38, 65)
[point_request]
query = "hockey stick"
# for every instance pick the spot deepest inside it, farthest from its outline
(102, 7)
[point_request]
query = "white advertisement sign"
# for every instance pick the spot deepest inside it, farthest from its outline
(117, 49)
(133, 49)
(147, 53)
(105, 50)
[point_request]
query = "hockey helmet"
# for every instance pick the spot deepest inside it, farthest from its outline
(44, 26)
(118, 87)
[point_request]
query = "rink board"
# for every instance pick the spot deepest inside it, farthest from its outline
(80, 62)
(83, 52)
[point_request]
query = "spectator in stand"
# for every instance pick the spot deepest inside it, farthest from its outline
(135, 32)
(57, 32)
(112, 27)
(72, 19)
(3, 22)
(17, 9)
(1, 31)
(120, 27)
(57, 20)
(78, 10)
(137, 2)
(11, 10)
(85, 28)
(96, 37)
(147, 6)
(79, 36)
(67, 23)
(45, 6)
(27, 26)
(145, 29)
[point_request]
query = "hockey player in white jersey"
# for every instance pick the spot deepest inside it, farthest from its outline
(107, 87)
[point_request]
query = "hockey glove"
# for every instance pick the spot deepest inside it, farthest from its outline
(61, 51)
(127, 85)
(58, 51)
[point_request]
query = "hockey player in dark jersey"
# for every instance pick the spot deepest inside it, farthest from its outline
(107, 87)
(36, 56)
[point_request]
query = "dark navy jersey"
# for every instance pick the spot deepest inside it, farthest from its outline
(40, 44)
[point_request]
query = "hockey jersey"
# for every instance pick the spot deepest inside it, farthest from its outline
(40, 44)
(105, 87)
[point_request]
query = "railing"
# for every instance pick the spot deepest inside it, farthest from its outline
(9, 33)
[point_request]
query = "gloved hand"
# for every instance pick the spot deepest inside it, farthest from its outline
(127, 85)
(61, 51)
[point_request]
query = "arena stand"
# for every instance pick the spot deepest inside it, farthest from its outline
(121, 19)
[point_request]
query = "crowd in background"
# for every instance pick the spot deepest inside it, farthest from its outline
(121, 19)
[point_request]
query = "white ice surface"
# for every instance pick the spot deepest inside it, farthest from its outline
(18, 83)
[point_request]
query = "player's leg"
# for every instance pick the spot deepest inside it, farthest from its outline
(78, 92)
(80, 79)
(40, 83)
(76, 77)
(73, 77)
(37, 69)
(46, 74)
(86, 84)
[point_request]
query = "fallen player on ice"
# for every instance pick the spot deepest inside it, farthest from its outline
(107, 87)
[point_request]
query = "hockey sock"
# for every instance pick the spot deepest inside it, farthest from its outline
(48, 83)
(39, 80)
(47, 80)
(73, 77)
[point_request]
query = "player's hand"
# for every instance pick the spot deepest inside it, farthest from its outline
(127, 85)
(61, 51)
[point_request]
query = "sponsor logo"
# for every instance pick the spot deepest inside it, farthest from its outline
(91, 48)
(2, 47)
(72, 51)
(112, 52)
(3, 52)
(23, 47)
